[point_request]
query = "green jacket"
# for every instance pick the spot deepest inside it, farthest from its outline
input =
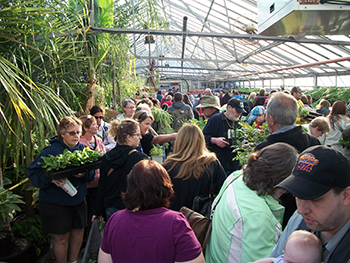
(245, 226)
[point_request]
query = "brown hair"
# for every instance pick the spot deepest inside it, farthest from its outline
(268, 167)
(87, 120)
(67, 122)
(145, 101)
(141, 115)
(122, 129)
(338, 108)
(304, 99)
(321, 124)
(148, 187)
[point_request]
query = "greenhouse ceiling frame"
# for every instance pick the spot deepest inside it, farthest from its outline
(230, 60)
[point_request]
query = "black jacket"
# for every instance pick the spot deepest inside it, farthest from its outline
(186, 190)
(121, 159)
(296, 137)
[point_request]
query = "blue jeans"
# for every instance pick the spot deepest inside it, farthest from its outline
(110, 211)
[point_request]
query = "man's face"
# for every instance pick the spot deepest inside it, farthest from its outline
(326, 213)
(297, 95)
(232, 114)
(269, 121)
(207, 112)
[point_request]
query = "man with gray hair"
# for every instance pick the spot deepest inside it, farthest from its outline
(281, 114)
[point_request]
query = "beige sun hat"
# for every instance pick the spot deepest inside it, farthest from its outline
(209, 101)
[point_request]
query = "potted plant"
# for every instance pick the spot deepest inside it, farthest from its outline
(70, 163)
(8, 205)
(248, 137)
(157, 153)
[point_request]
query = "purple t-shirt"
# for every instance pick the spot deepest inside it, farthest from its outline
(156, 235)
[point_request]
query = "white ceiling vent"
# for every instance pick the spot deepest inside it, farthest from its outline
(303, 17)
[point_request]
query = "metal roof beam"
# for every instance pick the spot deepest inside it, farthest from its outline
(211, 34)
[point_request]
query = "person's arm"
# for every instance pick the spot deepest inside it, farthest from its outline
(199, 259)
(105, 257)
(36, 173)
(210, 131)
(219, 177)
(111, 143)
(265, 260)
(292, 225)
(259, 233)
(163, 138)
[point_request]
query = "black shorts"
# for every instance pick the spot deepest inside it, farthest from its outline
(58, 219)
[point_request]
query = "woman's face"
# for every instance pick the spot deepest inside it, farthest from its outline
(145, 125)
(93, 129)
(71, 136)
(129, 110)
(134, 139)
(260, 119)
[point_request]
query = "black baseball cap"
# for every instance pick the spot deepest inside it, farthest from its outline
(318, 170)
(237, 104)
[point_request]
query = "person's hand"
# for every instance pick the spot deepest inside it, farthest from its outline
(79, 175)
(220, 141)
(58, 182)
(98, 217)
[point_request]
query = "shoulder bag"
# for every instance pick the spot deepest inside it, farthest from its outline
(345, 135)
(202, 204)
(200, 224)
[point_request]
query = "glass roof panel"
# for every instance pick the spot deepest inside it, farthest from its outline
(217, 42)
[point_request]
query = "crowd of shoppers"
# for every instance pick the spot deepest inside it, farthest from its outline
(258, 201)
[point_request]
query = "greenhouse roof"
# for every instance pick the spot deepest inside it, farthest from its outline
(219, 40)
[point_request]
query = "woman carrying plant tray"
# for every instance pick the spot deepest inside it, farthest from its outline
(62, 215)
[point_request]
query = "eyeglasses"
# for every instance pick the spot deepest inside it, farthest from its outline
(72, 133)
(98, 117)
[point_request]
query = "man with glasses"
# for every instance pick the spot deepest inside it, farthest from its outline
(103, 128)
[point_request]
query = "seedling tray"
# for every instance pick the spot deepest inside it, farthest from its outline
(72, 170)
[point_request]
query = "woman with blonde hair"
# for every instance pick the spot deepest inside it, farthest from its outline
(191, 167)
(63, 216)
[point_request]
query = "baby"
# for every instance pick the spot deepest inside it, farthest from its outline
(302, 247)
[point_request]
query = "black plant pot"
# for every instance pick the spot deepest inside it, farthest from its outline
(6, 239)
(19, 252)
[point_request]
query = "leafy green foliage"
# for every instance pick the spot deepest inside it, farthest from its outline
(164, 120)
(200, 123)
(249, 137)
(156, 151)
(68, 158)
(8, 205)
(331, 94)
(303, 112)
(30, 227)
